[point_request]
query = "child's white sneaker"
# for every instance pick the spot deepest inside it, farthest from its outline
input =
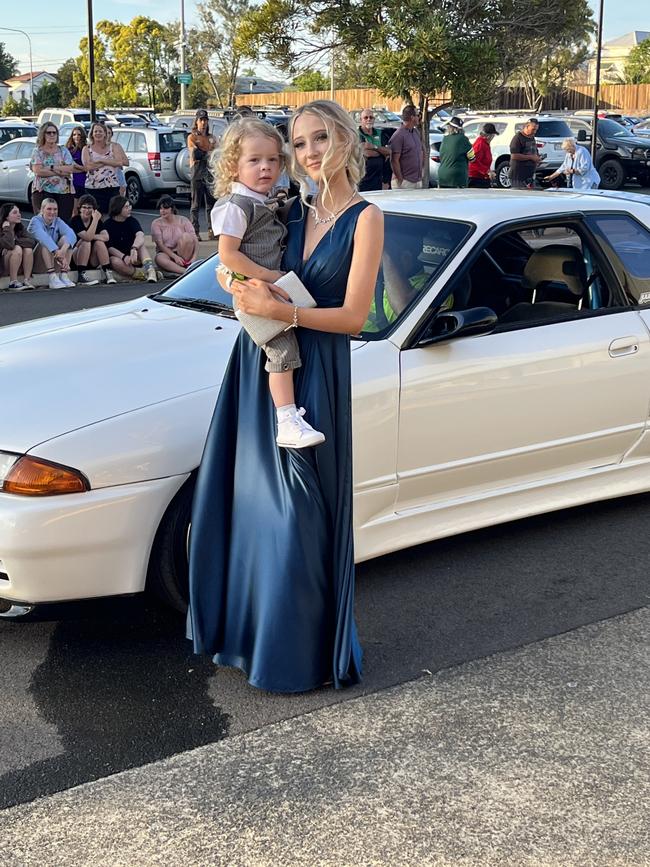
(295, 433)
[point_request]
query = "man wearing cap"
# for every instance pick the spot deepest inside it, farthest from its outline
(407, 152)
(524, 158)
(480, 169)
(200, 144)
(374, 152)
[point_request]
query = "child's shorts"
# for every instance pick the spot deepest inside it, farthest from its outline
(282, 353)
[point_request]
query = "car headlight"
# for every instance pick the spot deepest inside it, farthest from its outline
(624, 152)
(640, 153)
(33, 477)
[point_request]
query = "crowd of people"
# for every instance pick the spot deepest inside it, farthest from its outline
(82, 219)
(397, 160)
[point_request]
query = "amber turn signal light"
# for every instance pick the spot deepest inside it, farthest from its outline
(33, 477)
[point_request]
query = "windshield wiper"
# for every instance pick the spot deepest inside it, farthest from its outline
(197, 304)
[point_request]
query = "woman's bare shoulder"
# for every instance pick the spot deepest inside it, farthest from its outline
(371, 217)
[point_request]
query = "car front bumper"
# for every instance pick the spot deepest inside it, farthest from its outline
(79, 546)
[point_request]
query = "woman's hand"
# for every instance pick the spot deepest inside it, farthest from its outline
(255, 296)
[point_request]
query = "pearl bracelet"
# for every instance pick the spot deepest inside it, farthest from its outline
(294, 321)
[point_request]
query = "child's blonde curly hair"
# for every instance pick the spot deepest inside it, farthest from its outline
(223, 162)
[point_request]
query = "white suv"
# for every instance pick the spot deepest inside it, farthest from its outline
(550, 135)
(159, 161)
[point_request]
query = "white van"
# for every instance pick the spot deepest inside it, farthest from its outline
(59, 116)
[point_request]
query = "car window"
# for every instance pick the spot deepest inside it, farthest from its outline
(9, 152)
(553, 129)
(415, 250)
(25, 149)
(611, 128)
(200, 283)
(171, 142)
(56, 118)
(627, 243)
(123, 138)
(472, 129)
(139, 143)
(541, 275)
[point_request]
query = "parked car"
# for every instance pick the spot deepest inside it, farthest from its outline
(642, 128)
(60, 116)
(383, 118)
(550, 135)
(513, 378)
(158, 161)
(621, 157)
(15, 175)
(15, 129)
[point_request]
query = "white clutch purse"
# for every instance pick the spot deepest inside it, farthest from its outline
(262, 330)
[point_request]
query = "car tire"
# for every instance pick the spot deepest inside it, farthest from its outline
(612, 175)
(502, 170)
(133, 190)
(167, 576)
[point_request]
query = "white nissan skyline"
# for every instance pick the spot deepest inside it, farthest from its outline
(504, 371)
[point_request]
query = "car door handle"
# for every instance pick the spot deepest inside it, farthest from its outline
(623, 346)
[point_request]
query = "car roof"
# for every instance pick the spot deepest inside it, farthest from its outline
(479, 206)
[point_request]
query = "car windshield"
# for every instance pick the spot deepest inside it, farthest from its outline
(611, 128)
(416, 249)
(172, 142)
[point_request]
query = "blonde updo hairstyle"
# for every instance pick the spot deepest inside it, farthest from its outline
(344, 148)
(224, 162)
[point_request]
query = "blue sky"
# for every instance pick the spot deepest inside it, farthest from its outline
(56, 28)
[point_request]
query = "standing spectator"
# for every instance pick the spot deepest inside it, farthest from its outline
(374, 152)
(455, 154)
(119, 171)
(480, 168)
(53, 168)
(201, 144)
(407, 152)
(126, 246)
(92, 239)
(577, 167)
(75, 144)
(102, 161)
(56, 241)
(524, 158)
(174, 237)
(16, 248)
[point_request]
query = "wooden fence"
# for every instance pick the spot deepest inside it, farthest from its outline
(627, 97)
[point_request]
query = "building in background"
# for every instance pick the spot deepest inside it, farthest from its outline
(20, 86)
(614, 56)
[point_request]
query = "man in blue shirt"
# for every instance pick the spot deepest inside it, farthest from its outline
(56, 241)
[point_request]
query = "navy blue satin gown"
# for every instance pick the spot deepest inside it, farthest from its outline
(271, 550)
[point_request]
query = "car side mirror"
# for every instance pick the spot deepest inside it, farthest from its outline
(582, 135)
(459, 323)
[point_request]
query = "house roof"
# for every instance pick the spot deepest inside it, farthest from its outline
(635, 37)
(27, 75)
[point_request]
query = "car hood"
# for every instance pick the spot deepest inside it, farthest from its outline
(630, 141)
(65, 372)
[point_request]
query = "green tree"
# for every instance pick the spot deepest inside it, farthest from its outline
(214, 49)
(199, 91)
(13, 108)
(47, 95)
(8, 63)
(65, 80)
(311, 79)
(637, 68)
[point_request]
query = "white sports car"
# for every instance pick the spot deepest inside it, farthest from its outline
(504, 371)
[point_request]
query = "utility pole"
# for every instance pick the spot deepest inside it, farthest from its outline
(31, 65)
(91, 62)
(599, 47)
(183, 85)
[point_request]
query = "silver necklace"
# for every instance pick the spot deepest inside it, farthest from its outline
(320, 221)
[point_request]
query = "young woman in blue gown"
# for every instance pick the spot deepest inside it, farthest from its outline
(271, 549)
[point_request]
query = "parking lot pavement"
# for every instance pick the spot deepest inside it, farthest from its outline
(538, 757)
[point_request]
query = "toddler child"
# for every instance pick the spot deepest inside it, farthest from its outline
(246, 168)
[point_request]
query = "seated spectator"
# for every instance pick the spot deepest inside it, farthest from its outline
(92, 237)
(16, 248)
(128, 252)
(176, 242)
(56, 240)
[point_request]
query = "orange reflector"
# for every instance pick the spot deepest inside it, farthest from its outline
(32, 477)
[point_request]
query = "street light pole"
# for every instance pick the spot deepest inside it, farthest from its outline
(91, 62)
(31, 65)
(183, 85)
(599, 47)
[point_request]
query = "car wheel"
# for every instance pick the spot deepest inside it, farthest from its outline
(612, 175)
(503, 174)
(133, 190)
(167, 576)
